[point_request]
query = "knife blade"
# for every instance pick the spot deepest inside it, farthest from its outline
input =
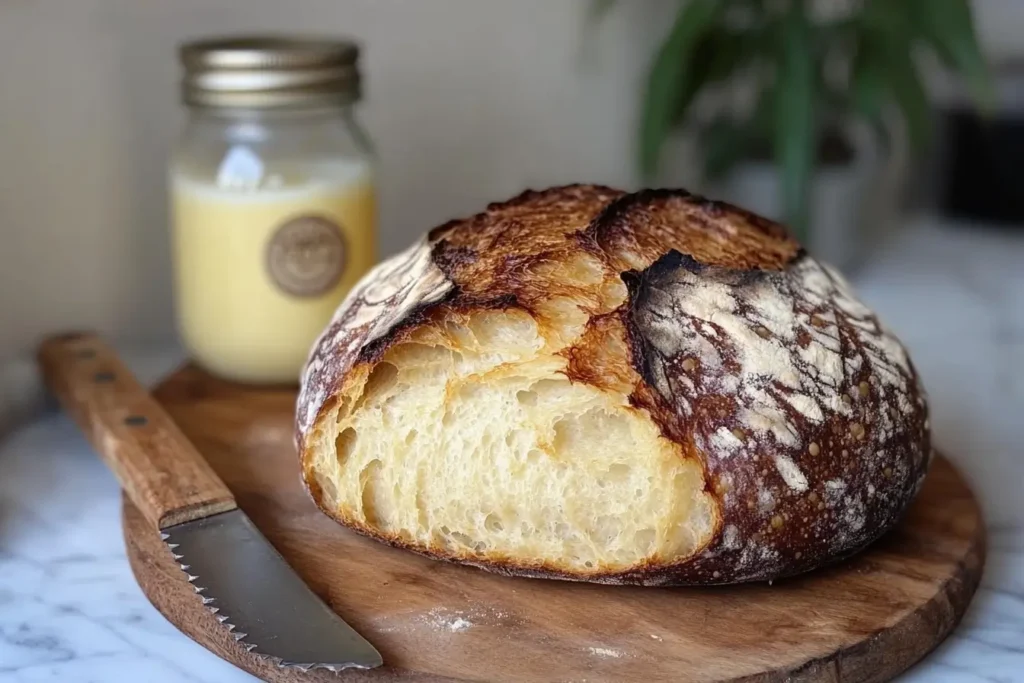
(235, 571)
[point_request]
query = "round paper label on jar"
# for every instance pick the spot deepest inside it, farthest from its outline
(306, 256)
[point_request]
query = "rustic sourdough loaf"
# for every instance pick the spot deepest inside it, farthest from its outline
(647, 388)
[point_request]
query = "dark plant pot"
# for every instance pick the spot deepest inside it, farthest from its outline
(982, 167)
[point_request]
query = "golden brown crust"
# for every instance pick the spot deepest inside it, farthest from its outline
(638, 229)
(804, 412)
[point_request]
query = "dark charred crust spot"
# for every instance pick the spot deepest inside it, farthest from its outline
(468, 304)
(449, 259)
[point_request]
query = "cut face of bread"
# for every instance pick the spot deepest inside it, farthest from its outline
(647, 388)
(474, 441)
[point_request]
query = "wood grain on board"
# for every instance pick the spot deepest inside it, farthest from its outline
(865, 619)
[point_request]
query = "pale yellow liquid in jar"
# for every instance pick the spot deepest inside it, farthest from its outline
(254, 285)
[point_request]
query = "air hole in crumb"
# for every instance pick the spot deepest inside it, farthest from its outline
(449, 417)
(345, 444)
(462, 538)
(382, 378)
(343, 408)
(527, 397)
(370, 480)
(493, 523)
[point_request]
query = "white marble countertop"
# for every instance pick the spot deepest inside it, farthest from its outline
(70, 609)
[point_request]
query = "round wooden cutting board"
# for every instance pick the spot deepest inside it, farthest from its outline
(863, 620)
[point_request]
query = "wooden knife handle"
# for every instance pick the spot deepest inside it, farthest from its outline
(162, 472)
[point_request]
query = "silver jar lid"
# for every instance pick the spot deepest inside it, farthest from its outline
(265, 72)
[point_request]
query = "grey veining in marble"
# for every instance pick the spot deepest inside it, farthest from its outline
(71, 611)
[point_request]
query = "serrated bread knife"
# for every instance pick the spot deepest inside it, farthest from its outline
(235, 571)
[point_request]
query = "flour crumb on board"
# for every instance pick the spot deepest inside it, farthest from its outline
(459, 624)
(457, 621)
(442, 619)
(606, 652)
(657, 637)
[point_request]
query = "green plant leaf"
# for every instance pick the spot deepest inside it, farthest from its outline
(718, 54)
(887, 15)
(868, 88)
(667, 79)
(868, 81)
(762, 119)
(949, 26)
(724, 142)
(911, 96)
(794, 117)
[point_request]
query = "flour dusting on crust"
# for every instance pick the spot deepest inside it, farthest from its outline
(787, 370)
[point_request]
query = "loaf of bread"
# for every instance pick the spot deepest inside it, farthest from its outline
(579, 383)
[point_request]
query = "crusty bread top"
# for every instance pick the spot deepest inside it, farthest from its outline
(804, 411)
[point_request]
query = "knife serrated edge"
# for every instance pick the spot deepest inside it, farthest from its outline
(224, 619)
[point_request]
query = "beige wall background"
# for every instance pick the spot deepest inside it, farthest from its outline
(467, 100)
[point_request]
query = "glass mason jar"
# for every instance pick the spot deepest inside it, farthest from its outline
(272, 201)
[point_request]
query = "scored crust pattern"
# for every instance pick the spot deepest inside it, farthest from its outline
(787, 373)
(804, 411)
